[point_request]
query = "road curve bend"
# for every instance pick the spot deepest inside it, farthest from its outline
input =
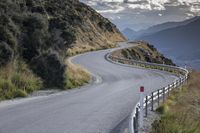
(95, 108)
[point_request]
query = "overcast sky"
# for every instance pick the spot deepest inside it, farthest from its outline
(140, 14)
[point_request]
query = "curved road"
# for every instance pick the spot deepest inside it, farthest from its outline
(95, 108)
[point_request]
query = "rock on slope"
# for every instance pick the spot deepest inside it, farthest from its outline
(39, 32)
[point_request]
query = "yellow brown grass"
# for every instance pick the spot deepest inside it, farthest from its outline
(76, 75)
(16, 80)
(184, 114)
(87, 48)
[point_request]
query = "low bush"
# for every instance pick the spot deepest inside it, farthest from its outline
(51, 69)
(7, 89)
(6, 53)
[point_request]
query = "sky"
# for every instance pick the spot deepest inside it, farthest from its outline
(141, 14)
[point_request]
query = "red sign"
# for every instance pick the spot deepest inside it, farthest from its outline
(142, 89)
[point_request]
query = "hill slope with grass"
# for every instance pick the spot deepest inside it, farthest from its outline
(40, 34)
(143, 52)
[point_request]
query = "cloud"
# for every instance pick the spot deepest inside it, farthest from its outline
(139, 14)
(195, 9)
(113, 9)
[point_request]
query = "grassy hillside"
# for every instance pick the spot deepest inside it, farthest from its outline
(181, 113)
(42, 33)
(143, 52)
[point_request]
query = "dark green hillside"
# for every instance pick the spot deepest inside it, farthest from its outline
(39, 33)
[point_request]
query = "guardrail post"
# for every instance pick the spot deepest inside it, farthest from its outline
(141, 118)
(180, 83)
(185, 80)
(158, 97)
(136, 117)
(168, 89)
(152, 102)
(146, 108)
(135, 125)
(163, 94)
(176, 83)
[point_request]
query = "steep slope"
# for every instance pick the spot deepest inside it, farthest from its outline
(40, 32)
(180, 42)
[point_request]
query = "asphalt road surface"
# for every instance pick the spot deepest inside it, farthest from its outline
(96, 108)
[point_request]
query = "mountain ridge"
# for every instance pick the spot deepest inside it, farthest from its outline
(184, 37)
(157, 28)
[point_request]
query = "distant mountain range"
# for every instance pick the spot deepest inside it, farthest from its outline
(132, 34)
(178, 40)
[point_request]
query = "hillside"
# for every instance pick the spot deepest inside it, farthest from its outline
(181, 42)
(143, 52)
(39, 34)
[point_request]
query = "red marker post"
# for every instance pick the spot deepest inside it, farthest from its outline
(141, 117)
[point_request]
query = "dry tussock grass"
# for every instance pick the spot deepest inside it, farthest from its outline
(16, 80)
(76, 75)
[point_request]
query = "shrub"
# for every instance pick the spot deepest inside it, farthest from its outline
(36, 38)
(6, 89)
(163, 109)
(6, 53)
(50, 68)
(7, 36)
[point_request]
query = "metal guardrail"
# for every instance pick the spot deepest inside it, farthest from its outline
(156, 96)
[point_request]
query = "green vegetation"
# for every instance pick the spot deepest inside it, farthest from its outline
(42, 33)
(180, 113)
(16, 80)
(163, 109)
